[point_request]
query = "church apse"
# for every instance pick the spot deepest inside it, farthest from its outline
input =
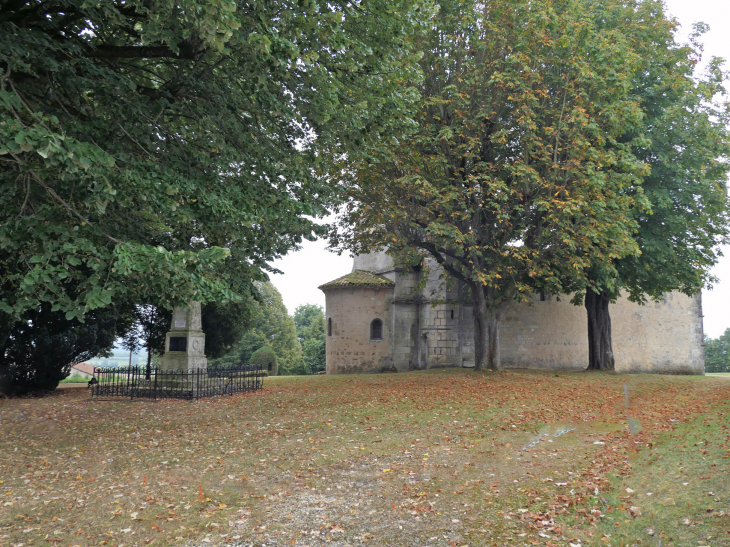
(359, 323)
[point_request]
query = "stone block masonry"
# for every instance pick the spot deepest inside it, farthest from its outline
(433, 327)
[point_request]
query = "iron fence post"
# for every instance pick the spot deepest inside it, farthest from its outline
(155, 389)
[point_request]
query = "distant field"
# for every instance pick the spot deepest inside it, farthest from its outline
(120, 358)
(426, 458)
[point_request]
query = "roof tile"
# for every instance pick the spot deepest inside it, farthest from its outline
(359, 278)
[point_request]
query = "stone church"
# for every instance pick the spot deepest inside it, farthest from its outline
(378, 320)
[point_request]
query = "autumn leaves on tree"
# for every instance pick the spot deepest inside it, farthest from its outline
(535, 134)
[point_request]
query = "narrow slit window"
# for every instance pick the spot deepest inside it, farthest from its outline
(329, 326)
(376, 330)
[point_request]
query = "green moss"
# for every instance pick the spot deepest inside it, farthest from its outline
(359, 278)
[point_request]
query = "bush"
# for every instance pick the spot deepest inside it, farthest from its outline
(267, 359)
(38, 349)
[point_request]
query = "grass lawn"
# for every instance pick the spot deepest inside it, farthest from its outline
(75, 379)
(447, 457)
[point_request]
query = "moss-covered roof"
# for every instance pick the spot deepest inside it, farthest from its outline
(359, 278)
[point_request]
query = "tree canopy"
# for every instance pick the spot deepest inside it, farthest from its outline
(303, 317)
(170, 150)
(519, 175)
(278, 329)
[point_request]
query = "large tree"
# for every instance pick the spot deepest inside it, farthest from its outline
(517, 172)
(303, 317)
(278, 329)
(170, 150)
(684, 140)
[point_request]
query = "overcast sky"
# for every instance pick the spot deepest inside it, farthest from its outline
(313, 265)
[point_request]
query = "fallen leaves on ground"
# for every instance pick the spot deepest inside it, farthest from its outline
(427, 458)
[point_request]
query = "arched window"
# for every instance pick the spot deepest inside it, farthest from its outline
(329, 327)
(376, 330)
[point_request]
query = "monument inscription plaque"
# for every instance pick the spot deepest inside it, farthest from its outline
(178, 343)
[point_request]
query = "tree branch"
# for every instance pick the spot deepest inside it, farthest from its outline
(137, 52)
(58, 198)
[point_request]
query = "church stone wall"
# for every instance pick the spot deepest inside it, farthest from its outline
(661, 337)
(373, 262)
(548, 334)
(432, 327)
(349, 348)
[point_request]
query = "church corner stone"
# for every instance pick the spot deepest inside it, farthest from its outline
(185, 341)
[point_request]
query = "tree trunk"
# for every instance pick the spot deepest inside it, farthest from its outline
(148, 372)
(600, 349)
(486, 333)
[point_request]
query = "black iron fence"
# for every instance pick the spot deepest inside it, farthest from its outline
(138, 382)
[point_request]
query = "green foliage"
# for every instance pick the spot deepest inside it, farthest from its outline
(310, 323)
(37, 351)
(266, 357)
(686, 144)
(158, 152)
(270, 325)
(303, 317)
(717, 353)
(684, 140)
(519, 176)
(241, 353)
(314, 354)
(278, 329)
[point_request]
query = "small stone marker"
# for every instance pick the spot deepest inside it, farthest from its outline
(626, 397)
(185, 342)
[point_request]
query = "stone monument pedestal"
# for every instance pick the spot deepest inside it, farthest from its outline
(185, 342)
